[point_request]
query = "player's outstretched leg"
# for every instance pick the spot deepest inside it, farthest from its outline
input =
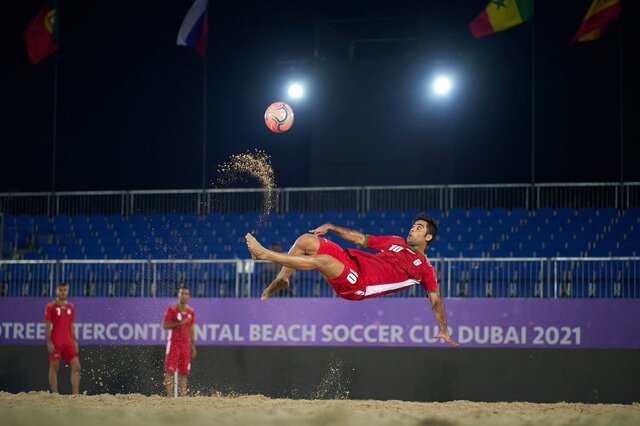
(306, 244)
(257, 250)
(327, 265)
(275, 285)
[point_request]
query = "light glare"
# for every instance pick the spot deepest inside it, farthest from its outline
(442, 85)
(296, 91)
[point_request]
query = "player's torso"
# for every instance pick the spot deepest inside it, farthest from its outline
(61, 317)
(181, 333)
(406, 258)
(395, 262)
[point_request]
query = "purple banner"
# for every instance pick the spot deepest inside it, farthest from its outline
(496, 323)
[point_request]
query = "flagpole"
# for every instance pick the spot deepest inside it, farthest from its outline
(55, 123)
(533, 97)
(204, 122)
(533, 199)
(196, 38)
(621, 89)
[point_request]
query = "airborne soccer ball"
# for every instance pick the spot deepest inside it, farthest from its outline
(278, 117)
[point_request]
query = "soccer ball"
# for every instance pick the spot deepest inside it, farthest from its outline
(278, 117)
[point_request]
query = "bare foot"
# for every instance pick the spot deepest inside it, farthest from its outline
(258, 252)
(276, 284)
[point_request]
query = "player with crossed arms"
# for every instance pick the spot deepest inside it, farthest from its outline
(355, 274)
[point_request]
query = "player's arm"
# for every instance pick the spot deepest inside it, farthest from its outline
(167, 325)
(350, 235)
(50, 346)
(72, 332)
(437, 305)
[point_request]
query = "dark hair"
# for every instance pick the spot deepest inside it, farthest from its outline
(184, 287)
(432, 225)
(62, 285)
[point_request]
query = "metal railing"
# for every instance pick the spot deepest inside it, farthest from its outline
(120, 278)
(482, 277)
(361, 199)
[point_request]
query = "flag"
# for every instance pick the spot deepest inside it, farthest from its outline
(500, 15)
(195, 27)
(42, 34)
(596, 20)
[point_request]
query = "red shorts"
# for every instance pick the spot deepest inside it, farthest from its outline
(67, 353)
(349, 284)
(177, 358)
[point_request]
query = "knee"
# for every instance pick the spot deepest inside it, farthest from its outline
(53, 367)
(308, 242)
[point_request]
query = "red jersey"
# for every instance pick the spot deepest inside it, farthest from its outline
(61, 318)
(395, 266)
(182, 333)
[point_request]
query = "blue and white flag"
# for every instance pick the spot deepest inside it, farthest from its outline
(195, 27)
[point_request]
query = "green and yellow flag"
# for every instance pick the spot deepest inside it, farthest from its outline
(596, 20)
(500, 15)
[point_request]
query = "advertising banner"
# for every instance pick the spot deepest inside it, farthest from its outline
(409, 322)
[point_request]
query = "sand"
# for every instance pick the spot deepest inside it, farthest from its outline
(256, 165)
(42, 408)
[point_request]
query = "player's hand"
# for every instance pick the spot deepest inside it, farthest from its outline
(51, 348)
(445, 336)
(321, 230)
(194, 352)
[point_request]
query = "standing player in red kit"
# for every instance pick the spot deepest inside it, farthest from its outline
(179, 319)
(355, 274)
(61, 338)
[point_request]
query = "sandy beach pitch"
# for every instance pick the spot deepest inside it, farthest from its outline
(42, 408)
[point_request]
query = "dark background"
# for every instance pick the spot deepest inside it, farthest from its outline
(130, 100)
(410, 374)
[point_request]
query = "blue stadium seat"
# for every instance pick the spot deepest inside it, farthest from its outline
(93, 252)
(608, 212)
(565, 212)
(463, 233)
(113, 251)
(544, 212)
(478, 213)
(24, 223)
(519, 213)
(97, 221)
(43, 223)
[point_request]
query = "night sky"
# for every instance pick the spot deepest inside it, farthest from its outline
(130, 100)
